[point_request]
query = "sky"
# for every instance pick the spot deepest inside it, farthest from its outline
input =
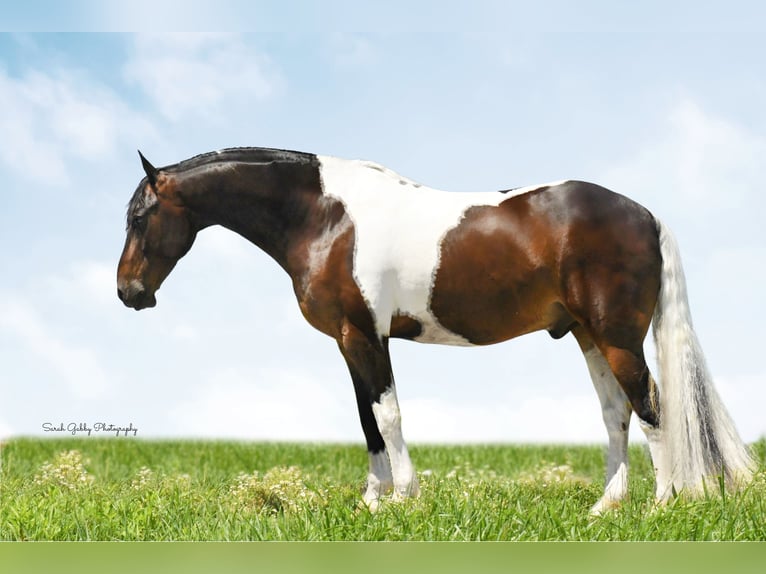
(663, 104)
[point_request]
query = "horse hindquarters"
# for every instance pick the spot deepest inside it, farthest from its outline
(691, 436)
(610, 269)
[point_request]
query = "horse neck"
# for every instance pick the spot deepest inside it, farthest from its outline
(266, 203)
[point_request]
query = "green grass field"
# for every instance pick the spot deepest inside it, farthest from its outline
(129, 489)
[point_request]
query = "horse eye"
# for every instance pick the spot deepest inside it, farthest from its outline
(138, 222)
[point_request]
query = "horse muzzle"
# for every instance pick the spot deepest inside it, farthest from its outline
(134, 295)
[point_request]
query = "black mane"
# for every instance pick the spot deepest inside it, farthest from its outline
(241, 154)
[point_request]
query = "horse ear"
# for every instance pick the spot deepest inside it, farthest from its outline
(151, 171)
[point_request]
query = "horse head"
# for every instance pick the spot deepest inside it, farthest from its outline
(159, 232)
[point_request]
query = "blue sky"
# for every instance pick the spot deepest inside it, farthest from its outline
(663, 104)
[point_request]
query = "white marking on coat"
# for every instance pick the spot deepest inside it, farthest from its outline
(399, 227)
(663, 475)
(615, 410)
(616, 489)
(379, 479)
(389, 419)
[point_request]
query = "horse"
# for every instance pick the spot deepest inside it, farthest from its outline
(374, 255)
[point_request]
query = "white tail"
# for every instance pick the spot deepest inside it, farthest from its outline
(697, 433)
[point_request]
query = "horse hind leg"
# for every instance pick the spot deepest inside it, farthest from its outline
(616, 411)
(628, 364)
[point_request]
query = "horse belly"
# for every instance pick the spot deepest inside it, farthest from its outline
(495, 281)
(483, 314)
(473, 297)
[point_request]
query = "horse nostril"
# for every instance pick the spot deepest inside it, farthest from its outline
(131, 292)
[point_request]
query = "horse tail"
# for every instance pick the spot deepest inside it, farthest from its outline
(698, 434)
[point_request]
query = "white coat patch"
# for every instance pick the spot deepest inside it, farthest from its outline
(389, 420)
(399, 229)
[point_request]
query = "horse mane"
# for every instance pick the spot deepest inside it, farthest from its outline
(240, 154)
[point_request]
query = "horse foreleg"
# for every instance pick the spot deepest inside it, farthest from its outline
(389, 461)
(379, 477)
(389, 419)
(616, 410)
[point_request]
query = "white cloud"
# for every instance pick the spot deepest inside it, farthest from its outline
(695, 162)
(190, 74)
(87, 281)
(353, 51)
(534, 419)
(733, 277)
(185, 332)
(79, 367)
(267, 404)
(22, 147)
(272, 404)
(220, 244)
(5, 433)
(740, 393)
(732, 262)
(49, 119)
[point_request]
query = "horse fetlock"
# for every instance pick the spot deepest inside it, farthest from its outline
(376, 493)
(604, 505)
(409, 488)
(371, 502)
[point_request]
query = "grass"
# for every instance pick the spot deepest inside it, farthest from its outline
(130, 489)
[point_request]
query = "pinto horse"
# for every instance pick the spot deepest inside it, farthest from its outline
(374, 255)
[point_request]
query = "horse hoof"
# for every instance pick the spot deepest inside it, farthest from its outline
(370, 504)
(603, 506)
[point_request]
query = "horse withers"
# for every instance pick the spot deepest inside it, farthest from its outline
(373, 255)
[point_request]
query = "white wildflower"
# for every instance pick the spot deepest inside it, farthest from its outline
(548, 473)
(280, 489)
(67, 470)
(143, 477)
